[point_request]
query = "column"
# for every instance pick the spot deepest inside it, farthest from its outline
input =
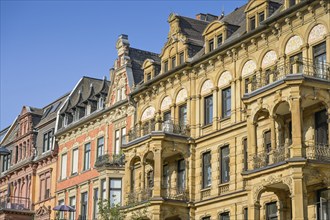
(143, 174)
(127, 180)
(252, 146)
(157, 172)
(233, 102)
(253, 208)
(198, 113)
(299, 206)
(215, 108)
(296, 150)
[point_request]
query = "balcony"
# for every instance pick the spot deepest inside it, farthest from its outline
(319, 152)
(168, 126)
(175, 194)
(138, 197)
(107, 160)
(275, 156)
(278, 72)
(15, 203)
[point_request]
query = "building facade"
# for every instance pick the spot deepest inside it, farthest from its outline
(236, 123)
(27, 174)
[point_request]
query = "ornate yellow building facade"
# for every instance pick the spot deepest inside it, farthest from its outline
(235, 125)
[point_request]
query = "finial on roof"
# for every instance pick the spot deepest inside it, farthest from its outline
(91, 85)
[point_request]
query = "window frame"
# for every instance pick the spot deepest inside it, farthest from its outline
(224, 215)
(211, 45)
(84, 205)
(64, 174)
(73, 162)
(173, 62)
(72, 214)
(181, 58)
(87, 155)
(207, 177)
(224, 165)
(219, 43)
(100, 151)
(208, 110)
(252, 23)
(166, 66)
(181, 180)
(95, 202)
(183, 115)
(225, 113)
(111, 189)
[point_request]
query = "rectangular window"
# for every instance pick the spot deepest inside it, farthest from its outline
(47, 189)
(166, 176)
(226, 102)
(84, 205)
(123, 136)
(211, 45)
(95, 205)
(72, 203)
(245, 154)
(165, 66)
(181, 175)
(64, 166)
(224, 216)
(183, 115)
(74, 161)
(117, 142)
(220, 39)
(252, 23)
(5, 162)
(207, 170)
(133, 179)
(87, 156)
(100, 103)
(61, 215)
(261, 17)
(208, 110)
(320, 59)
(271, 211)
(115, 192)
(103, 189)
(167, 116)
(224, 164)
(173, 62)
(148, 76)
(181, 58)
(118, 96)
(268, 144)
(100, 146)
(47, 142)
(206, 218)
(323, 204)
(321, 128)
(246, 213)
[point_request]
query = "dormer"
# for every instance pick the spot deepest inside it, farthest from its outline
(183, 42)
(216, 33)
(257, 11)
(290, 3)
(122, 47)
(150, 69)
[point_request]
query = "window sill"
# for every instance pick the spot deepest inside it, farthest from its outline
(208, 125)
(225, 119)
(206, 189)
(73, 175)
(84, 171)
(61, 180)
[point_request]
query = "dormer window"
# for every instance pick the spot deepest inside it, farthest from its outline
(211, 45)
(165, 66)
(100, 103)
(252, 21)
(292, 3)
(261, 17)
(181, 58)
(220, 40)
(173, 62)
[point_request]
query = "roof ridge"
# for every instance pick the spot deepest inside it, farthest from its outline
(145, 51)
(193, 19)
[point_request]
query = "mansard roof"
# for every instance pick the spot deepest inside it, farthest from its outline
(137, 57)
(86, 89)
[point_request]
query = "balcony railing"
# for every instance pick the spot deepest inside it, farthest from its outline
(175, 193)
(16, 203)
(168, 126)
(279, 71)
(317, 151)
(137, 197)
(115, 160)
(264, 159)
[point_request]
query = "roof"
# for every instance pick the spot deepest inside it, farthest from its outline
(193, 29)
(137, 57)
(86, 89)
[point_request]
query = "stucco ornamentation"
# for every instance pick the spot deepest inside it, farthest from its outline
(207, 86)
(167, 101)
(294, 43)
(317, 33)
(148, 113)
(224, 79)
(181, 97)
(269, 59)
(248, 68)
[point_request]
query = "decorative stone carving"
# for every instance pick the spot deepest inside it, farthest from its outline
(294, 43)
(269, 59)
(182, 95)
(248, 68)
(167, 101)
(317, 33)
(207, 87)
(148, 113)
(224, 79)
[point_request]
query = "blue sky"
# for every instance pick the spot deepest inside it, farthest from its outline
(47, 46)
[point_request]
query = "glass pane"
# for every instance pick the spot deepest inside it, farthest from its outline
(115, 183)
(115, 197)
